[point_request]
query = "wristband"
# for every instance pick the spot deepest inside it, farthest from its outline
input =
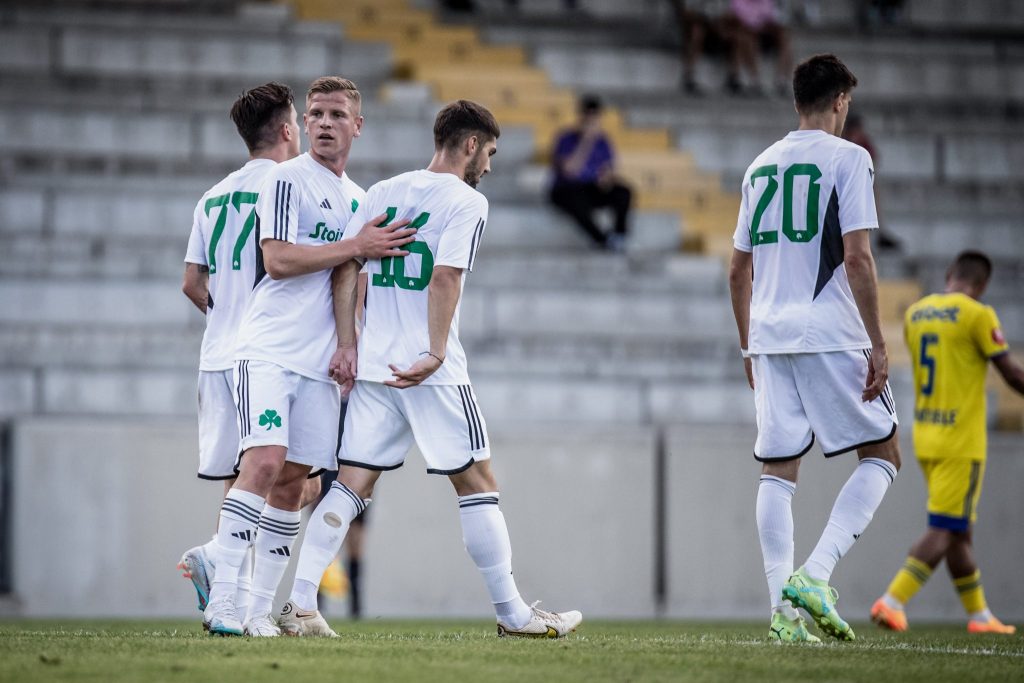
(435, 356)
(744, 353)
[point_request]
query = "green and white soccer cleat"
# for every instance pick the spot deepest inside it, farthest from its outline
(543, 624)
(784, 630)
(220, 618)
(296, 622)
(818, 599)
(196, 566)
(262, 626)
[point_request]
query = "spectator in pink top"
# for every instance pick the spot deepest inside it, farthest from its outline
(755, 23)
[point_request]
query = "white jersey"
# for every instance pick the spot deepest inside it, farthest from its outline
(222, 239)
(290, 322)
(800, 196)
(450, 217)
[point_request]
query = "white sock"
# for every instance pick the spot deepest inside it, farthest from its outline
(855, 505)
(210, 550)
(239, 516)
(486, 537)
(891, 602)
(983, 616)
(774, 514)
(324, 535)
(244, 583)
(273, 549)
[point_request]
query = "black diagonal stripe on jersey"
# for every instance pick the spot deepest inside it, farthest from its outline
(261, 269)
(469, 420)
(472, 245)
(476, 415)
(831, 245)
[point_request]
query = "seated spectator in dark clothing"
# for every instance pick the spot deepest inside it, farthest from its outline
(584, 165)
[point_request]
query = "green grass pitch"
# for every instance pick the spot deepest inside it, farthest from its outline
(67, 650)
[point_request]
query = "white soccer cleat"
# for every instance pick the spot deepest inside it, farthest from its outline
(196, 566)
(544, 624)
(221, 618)
(262, 626)
(296, 622)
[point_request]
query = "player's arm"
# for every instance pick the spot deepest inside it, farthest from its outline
(860, 271)
(344, 287)
(196, 284)
(1011, 370)
(284, 259)
(442, 300)
(741, 276)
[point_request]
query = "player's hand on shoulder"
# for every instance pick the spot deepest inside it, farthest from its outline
(342, 368)
(420, 370)
(377, 242)
(878, 373)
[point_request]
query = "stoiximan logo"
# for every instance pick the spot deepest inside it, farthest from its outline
(271, 419)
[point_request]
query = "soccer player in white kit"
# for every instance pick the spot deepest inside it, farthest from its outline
(804, 292)
(286, 404)
(409, 375)
(219, 274)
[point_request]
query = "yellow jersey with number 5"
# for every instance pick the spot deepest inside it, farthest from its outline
(951, 338)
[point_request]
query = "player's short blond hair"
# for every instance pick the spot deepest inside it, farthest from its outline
(329, 84)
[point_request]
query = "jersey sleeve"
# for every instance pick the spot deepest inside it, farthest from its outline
(196, 251)
(460, 237)
(855, 189)
(741, 238)
(278, 207)
(987, 333)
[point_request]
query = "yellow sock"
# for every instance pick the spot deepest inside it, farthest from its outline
(972, 595)
(909, 580)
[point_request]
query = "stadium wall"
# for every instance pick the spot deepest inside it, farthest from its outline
(102, 508)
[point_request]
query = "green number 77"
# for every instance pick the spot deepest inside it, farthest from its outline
(236, 199)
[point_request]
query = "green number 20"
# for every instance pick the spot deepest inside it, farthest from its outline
(771, 186)
(236, 199)
(393, 267)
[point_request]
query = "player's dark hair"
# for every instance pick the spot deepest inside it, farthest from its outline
(971, 266)
(590, 104)
(463, 118)
(258, 112)
(818, 81)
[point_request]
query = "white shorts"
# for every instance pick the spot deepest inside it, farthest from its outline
(278, 407)
(382, 422)
(218, 425)
(803, 396)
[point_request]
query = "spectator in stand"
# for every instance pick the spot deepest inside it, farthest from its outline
(584, 177)
(700, 27)
(754, 23)
(856, 133)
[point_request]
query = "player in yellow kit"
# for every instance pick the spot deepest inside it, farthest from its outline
(952, 337)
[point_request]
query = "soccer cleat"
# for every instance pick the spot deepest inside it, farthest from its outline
(783, 630)
(221, 618)
(993, 625)
(887, 617)
(818, 599)
(195, 565)
(544, 624)
(296, 622)
(262, 626)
